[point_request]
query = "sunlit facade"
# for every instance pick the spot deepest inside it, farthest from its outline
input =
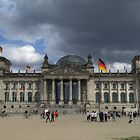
(70, 83)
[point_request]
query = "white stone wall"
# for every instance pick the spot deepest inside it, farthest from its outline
(91, 91)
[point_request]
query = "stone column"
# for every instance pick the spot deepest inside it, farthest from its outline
(119, 94)
(53, 92)
(10, 92)
(79, 92)
(70, 95)
(61, 102)
(45, 91)
(127, 93)
(101, 92)
(137, 100)
(18, 93)
(33, 91)
(110, 93)
(25, 91)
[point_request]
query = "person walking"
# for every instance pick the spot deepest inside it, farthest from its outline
(52, 116)
(135, 115)
(48, 116)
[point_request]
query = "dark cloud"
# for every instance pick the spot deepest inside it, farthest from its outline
(105, 28)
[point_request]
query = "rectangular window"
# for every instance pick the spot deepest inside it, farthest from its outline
(14, 85)
(114, 85)
(14, 97)
(30, 86)
(22, 96)
(22, 86)
(97, 86)
(131, 86)
(37, 84)
(122, 86)
(6, 86)
(105, 85)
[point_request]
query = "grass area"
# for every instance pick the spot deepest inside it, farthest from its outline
(130, 138)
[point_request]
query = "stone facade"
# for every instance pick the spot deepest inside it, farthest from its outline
(71, 82)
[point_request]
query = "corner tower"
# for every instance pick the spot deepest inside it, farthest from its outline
(4, 65)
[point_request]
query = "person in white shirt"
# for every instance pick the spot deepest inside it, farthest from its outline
(88, 115)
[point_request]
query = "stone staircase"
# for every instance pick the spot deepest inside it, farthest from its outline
(64, 109)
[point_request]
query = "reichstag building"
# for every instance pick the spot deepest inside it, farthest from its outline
(70, 83)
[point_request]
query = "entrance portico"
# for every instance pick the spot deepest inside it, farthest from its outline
(64, 91)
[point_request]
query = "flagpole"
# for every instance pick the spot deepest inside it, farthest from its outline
(101, 66)
(99, 88)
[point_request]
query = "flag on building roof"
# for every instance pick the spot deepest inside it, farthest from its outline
(27, 67)
(102, 66)
(1, 50)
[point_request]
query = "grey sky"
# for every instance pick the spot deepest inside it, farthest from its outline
(106, 28)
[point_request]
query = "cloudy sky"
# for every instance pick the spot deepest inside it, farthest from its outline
(109, 29)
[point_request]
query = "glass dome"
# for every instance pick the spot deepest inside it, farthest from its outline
(71, 60)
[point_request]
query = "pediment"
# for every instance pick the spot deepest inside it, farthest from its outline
(66, 71)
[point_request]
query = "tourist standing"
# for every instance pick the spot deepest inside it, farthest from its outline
(56, 114)
(106, 115)
(88, 116)
(48, 116)
(113, 115)
(92, 116)
(134, 115)
(95, 116)
(52, 116)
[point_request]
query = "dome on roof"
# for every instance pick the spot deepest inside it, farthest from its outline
(71, 60)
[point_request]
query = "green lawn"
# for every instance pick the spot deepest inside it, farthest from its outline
(130, 138)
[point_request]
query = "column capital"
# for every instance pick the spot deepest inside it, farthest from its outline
(70, 79)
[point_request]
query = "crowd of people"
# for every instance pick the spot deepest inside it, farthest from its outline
(93, 116)
(105, 116)
(49, 116)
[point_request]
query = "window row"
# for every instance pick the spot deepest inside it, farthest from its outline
(106, 97)
(22, 97)
(114, 85)
(21, 85)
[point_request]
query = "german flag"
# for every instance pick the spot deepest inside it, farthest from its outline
(27, 67)
(1, 49)
(102, 66)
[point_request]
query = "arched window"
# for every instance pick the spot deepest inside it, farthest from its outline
(14, 97)
(6, 96)
(114, 97)
(29, 96)
(131, 97)
(123, 98)
(98, 98)
(106, 97)
(22, 96)
(37, 97)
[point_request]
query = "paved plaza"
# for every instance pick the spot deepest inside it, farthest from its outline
(67, 127)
